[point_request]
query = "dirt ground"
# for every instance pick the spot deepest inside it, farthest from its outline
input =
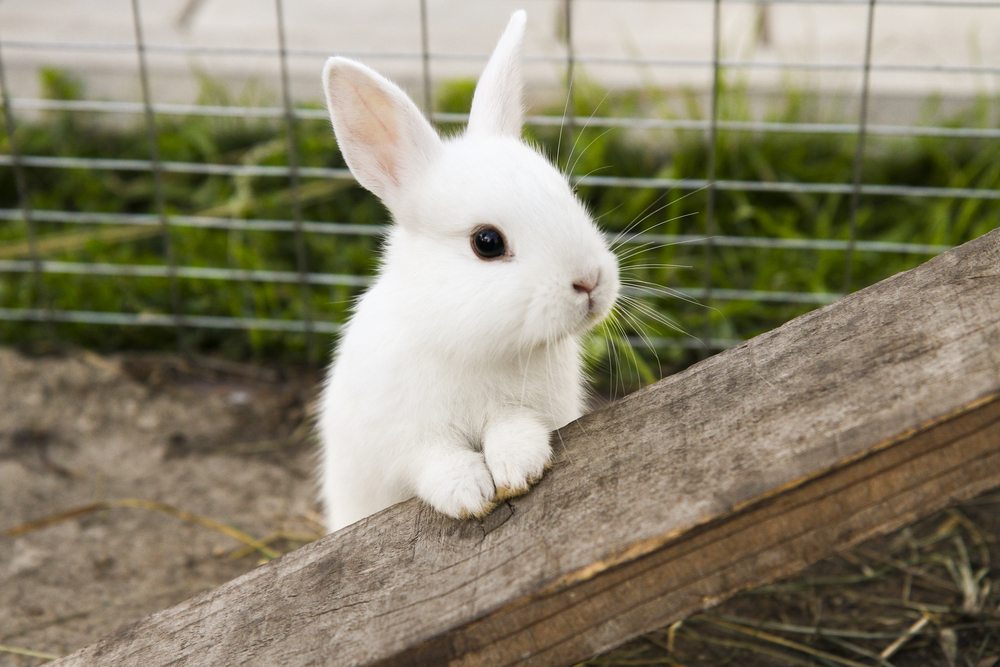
(220, 440)
(925, 596)
(116, 449)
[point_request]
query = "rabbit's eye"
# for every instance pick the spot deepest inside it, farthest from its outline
(488, 242)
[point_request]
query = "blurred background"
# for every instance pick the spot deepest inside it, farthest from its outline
(169, 179)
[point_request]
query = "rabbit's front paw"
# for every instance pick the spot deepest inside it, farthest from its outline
(517, 453)
(456, 482)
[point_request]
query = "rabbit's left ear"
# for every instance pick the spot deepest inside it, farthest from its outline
(385, 140)
(497, 106)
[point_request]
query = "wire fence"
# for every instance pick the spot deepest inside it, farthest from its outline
(32, 218)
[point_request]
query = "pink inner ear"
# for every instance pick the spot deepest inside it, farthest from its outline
(379, 129)
(380, 112)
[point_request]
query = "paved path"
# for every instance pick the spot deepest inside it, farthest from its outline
(671, 30)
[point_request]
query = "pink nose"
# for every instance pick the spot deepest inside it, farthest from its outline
(581, 286)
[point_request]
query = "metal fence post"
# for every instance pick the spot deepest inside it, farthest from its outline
(158, 193)
(859, 151)
(301, 256)
(425, 61)
(24, 199)
(713, 131)
(569, 112)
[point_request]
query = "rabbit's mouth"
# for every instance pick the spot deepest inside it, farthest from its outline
(594, 315)
(597, 308)
(601, 297)
(584, 288)
(597, 293)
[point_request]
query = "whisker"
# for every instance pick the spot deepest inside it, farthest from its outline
(638, 250)
(652, 245)
(639, 247)
(613, 354)
(585, 126)
(644, 309)
(643, 212)
(642, 334)
(645, 216)
(692, 192)
(671, 293)
(584, 151)
(631, 352)
(609, 212)
(607, 166)
(642, 215)
(608, 336)
(653, 288)
(656, 266)
(624, 236)
(639, 283)
(647, 286)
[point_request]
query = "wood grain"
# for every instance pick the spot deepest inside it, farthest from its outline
(848, 422)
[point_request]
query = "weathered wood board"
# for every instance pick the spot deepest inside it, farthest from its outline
(845, 423)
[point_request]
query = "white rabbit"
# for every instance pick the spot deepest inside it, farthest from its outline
(465, 353)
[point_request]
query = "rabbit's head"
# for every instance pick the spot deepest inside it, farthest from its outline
(491, 251)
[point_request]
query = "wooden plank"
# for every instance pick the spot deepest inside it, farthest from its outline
(775, 538)
(845, 423)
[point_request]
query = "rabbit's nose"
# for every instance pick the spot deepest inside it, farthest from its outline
(586, 283)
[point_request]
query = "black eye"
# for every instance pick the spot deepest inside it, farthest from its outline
(488, 243)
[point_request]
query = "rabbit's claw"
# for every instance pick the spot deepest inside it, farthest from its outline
(517, 454)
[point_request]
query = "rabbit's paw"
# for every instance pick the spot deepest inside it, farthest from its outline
(517, 453)
(455, 482)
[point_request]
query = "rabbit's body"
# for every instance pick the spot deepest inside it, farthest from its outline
(465, 353)
(389, 425)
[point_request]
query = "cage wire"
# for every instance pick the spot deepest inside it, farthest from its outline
(182, 316)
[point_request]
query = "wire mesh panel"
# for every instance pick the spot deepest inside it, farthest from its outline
(168, 173)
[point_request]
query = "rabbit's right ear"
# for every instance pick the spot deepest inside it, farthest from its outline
(385, 139)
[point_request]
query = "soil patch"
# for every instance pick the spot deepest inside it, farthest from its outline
(198, 437)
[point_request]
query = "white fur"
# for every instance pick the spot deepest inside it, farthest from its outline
(453, 370)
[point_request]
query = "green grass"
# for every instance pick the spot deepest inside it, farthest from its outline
(967, 163)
